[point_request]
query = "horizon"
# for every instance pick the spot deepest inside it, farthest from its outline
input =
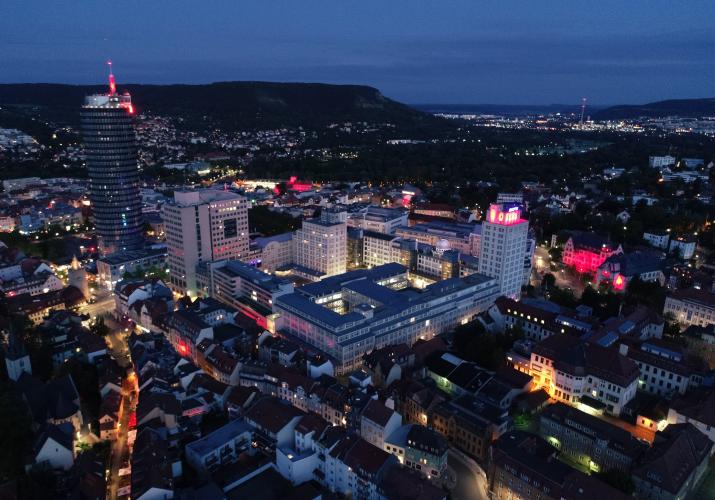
(412, 103)
(495, 52)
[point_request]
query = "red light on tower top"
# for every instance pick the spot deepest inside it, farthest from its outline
(498, 215)
(112, 83)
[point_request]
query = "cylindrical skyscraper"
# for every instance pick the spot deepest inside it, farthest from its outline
(110, 147)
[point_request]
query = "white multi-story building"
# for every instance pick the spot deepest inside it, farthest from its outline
(203, 225)
(574, 372)
(503, 244)
(464, 237)
(349, 315)
(380, 248)
(273, 252)
(661, 161)
(657, 239)
(684, 245)
(321, 246)
(244, 287)
(691, 307)
(378, 219)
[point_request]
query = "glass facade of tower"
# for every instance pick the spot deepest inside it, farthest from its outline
(110, 146)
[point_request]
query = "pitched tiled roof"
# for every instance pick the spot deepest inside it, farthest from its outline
(377, 412)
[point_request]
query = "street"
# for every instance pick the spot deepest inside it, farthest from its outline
(471, 479)
(104, 304)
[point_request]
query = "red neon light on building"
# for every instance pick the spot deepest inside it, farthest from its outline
(508, 218)
(619, 283)
(301, 187)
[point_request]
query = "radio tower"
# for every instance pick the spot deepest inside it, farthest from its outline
(583, 110)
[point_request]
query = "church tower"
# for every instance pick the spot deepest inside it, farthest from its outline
(78, 277)
(17, 360)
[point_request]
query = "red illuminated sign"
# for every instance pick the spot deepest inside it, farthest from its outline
(505, 218)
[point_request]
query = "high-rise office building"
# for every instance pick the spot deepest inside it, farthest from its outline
(503, 243)
(110, 146)
(203, 226)
(321, 245)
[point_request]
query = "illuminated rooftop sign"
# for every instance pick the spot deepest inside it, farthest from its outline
(499, 214)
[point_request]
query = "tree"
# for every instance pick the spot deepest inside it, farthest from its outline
(619, 480)
(548, 281)
(16, 435)
(99, 328)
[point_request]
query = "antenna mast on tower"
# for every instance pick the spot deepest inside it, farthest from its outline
(112, 84)
(583, 110)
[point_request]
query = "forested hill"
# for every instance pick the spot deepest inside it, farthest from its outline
(239, 104)
(694, 108)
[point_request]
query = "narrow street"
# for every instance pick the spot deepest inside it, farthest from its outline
(471, 479)
(119, 452)
(119, 455)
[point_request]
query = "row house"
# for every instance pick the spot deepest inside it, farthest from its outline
(595, 444)
(470, 424)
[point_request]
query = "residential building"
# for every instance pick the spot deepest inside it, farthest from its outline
(665, 369)
(696, 408)
(419, 448)
(661, 161)
(577, 372)
(55, 447)
(187, 328)
(378, 422)
(618, 270)
(525, 466)
(274, 422)
(673, 467)
(463, 237)
(537, 323)
(219, 447)
(244, 287)
(380, 248)
(684, 246)
(503, 243)
(273, 252)
(29, 276)
(112, 268)
(658, 239)
(203, 225)
(469, 424)
(691, 307)
(378, 219)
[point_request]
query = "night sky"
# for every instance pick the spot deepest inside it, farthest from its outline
(418, 51)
